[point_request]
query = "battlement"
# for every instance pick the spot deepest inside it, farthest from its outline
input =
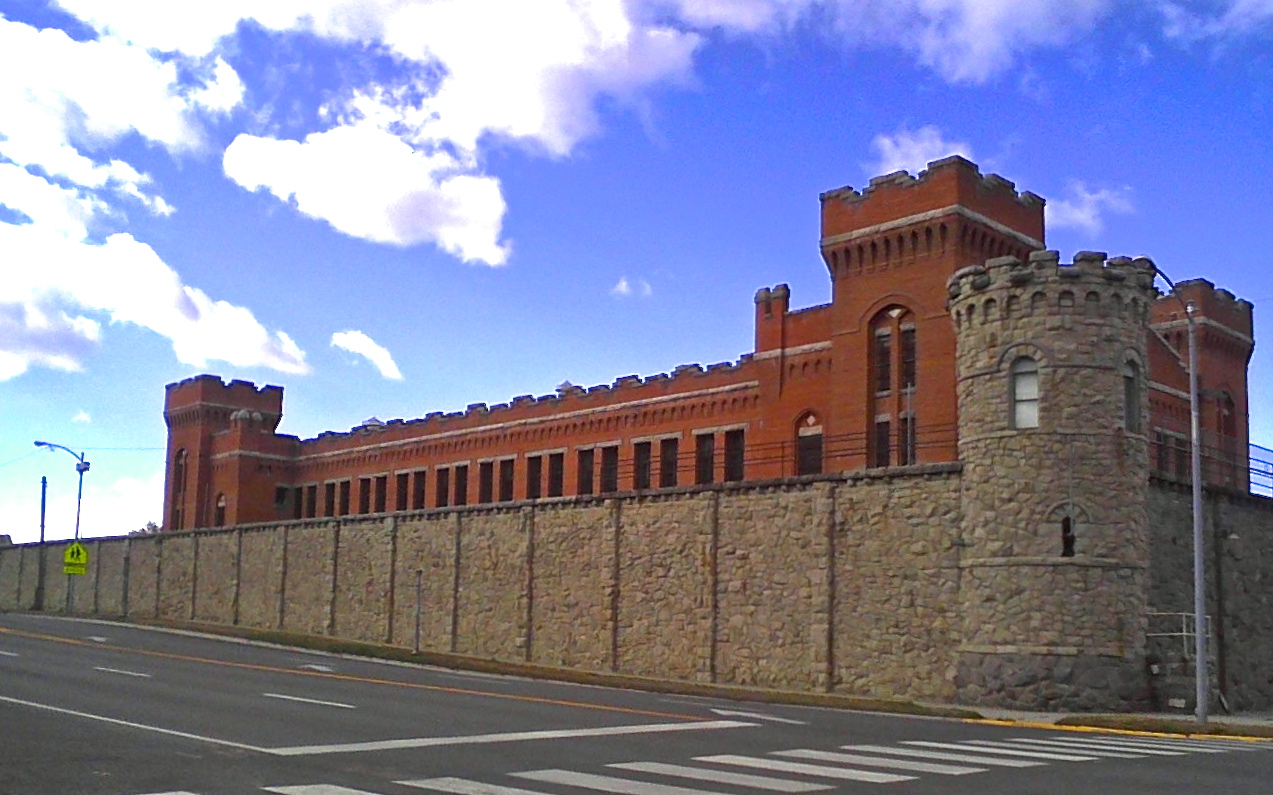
(1218, 305)
(211, 390)
(946, 184)
(1089, 271)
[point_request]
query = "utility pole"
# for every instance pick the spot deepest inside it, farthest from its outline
(39, 568)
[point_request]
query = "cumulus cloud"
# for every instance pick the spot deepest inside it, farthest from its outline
(82, 416)
(359, 343)
(912, 150)
(1236, 18)
(626, 288)
(1085, 209)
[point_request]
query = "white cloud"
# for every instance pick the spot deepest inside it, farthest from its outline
(1085, 209)
(359, 343)
(912, 150)
(109, 507)
(1238, 18)
(626, 288)
(82, 417)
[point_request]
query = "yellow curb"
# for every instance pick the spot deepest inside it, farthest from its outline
(1030, 724)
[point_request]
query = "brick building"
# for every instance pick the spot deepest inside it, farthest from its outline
(867, 381)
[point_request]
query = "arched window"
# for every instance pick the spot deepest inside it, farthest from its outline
(219, 515)
(1025, 393)
(1067, 537)
(809, 445)
(893, 362)
(1131, 397)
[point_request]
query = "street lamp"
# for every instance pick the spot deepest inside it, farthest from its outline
(81, 467)
(1195, 461)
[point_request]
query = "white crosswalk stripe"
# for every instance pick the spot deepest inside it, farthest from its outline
(622, 786)
(316, 789)
(1199, 746)
(980, 746)
(460, 786)
(879, 761)
(1099, 749)
(721, 776)
(944, 756)
(779, 766)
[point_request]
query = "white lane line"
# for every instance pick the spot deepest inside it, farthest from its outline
(460, 786)
(721, 776)
(944, 756)
(1169, 745)
(1085, 747)
(1104, 752)
(317, 667)
(131, 725)
(137, 674)
(309, 701)
(97, 639)
(979, 748)
(622, 786)
(732, 713)
(182, 792)
(780, 766)
(316, 789)
(509, 737)
(878, 761)
(8, 654)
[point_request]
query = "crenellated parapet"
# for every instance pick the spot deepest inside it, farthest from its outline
(209, 401)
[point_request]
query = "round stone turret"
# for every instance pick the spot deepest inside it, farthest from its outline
(1051, 364)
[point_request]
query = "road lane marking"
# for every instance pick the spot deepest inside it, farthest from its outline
(316, 667)
(778, 765)
(1167, 745)
(1102, 752)
(721, 776)
(622, 786)
(8, 654)
(121, 672)
(981, 749)
(1087, 747)
(460, 786)
(944, 756)
(316, 789)
(507, 737)
(309, 701)
(731, 713)
(98, 639)
(878, 761)
(131, 725)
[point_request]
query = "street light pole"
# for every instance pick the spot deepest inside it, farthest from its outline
(1201, 698)
(81, 467)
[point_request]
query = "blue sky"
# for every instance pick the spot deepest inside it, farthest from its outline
(392, 208)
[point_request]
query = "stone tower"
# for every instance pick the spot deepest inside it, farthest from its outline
(1051, 364)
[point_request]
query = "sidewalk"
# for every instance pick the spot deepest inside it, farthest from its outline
(1251, 724)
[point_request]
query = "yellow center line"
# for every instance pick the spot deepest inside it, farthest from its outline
(349, 678)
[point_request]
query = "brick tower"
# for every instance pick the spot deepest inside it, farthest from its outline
(1052, 434)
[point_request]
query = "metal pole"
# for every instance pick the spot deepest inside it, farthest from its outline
(79, 498)
(419, 603)
(1199, 570)
(39, 569)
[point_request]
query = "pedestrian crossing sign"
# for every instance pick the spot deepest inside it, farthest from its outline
(75, 559)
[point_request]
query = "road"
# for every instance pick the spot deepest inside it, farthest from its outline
(108, 709)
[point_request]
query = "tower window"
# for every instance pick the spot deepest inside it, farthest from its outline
(1025, 393)
(735, 447)
(1131, 397)
(883, 442)
(219, 517)
(894, 373)
(1067, 537)
(809, 446)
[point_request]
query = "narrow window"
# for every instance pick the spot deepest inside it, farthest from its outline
(883, 362)
(442, 487)
(1181, 449)
(641, 461)
(344, 487)
(556, 474)
(583, 478)
(883, 453)
(1025, 393)
(734, 455)
(400, 491)
(418, 489)
(298, 502)
(704, 458)
(329, 499)
(1163, 452)
(534, 477)
(485, 481)
(364, 495)
(668, 453)
(219, 518)
(809, 446)
(1067, 537)
(908, 357)
(609, 469)
(1131, 397)
(506, 473)
(382, 493)
(311, 501)
(280, 498)
(894, 366)
(905, 440)
(179, 474)
(461, 485)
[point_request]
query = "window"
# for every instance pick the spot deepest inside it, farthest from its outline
(442, 487)
(219, 517)
(882, 443)
(908, 357)
(400, 492)
(280, 498)
(906, 441)
(534, 477)
(883, 361)
(668, 453)
(344, 497)
(556, 474)
(609, 469)
(641, 465)
(382, 493)
(506, 480)
(1025, 393)
(178, 488)
(298, 502)
(583, 478)
(894, 367)
(704, 458)
(364, 495)
(485, 481)
(418, 489)
(1067, 537)
(461, 485)
(1131, 397)
(735, 450)
(1160, 441)
(329, 499)
(809, 445)
(311, 501)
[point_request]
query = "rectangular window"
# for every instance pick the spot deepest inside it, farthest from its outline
(344, 497)
(735, 452)
(1131, 398)
(883, 362)
(1025, 393)
(534, 477)
(704, 458)
(905, 441)
(382, 493)
(280, 498)
(641, 461)
(583, 477)
(461, 485)
(1180, 448)
(298, 502)
(908, 357)
(442, 487)
(311, 501)
(506, 473)
(1163, 450)
(400, 491)
(486, 481)
(809, 454)
(364, 495)
(883, 443)
(556, 474)
(329, 499)
(609, 469)
(418, 489)
(668, 453)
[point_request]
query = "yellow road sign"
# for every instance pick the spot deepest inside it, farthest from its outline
(75, 559)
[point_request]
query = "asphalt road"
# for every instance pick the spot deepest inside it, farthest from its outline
(106, 709)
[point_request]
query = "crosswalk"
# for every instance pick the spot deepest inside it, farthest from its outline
(798, 770)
